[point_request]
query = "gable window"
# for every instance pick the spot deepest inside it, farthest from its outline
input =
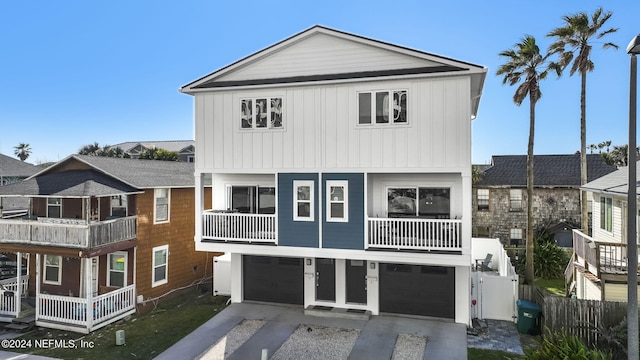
(337, 201)
(160, 265)
(161, 205)
(515, 199)
(606, 213)
(54, 207)
(303, 200)
(119, 205)
(432, 203)
(52, 270)
(516, 236)
(252, 199)
(261, 113)
(117, 273)
(382, 107)
(483, 199)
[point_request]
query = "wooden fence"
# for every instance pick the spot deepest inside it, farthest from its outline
(582, 318)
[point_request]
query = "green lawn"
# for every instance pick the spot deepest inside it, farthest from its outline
(146, 336)
(554, 286)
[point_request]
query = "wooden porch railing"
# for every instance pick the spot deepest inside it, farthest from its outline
(600, 256)
(68, 232)
(239, 227)
(68, 310)
(415, 233)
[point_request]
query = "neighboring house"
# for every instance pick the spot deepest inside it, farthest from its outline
(186, 148)
(500, 197)
(341, 171)
(598, 268)
(11, 171)
(109, 234)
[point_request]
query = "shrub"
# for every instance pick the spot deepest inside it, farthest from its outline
(564, 346)
(549, 260)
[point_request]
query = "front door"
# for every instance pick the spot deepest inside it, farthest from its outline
(325, 279)
(356, 282)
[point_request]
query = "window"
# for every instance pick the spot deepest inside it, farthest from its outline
(161, 206)
(261, 113)
(117, 273)
(252, 199)
(516, 236)
(119, 205)
(515, 199)
(483, 199)
(54, 207)
(52, 270)
(375, 107)
(303, 201)
(160, 260)
(337, 201)
(432, 203)
(606, 213)
(190, 158)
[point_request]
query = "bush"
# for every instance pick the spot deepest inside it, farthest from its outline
(549, 260)
(564, 346)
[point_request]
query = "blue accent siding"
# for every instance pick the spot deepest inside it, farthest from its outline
(296, 233)
(345, 235)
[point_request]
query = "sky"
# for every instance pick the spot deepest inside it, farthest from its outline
(77, 72)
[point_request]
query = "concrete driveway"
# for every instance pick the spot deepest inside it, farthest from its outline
(242, 331)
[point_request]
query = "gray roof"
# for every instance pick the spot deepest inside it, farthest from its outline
(140, 174)
(172, 145)
(614, 183)
(548, 170)
(16, 168)
(70, 183)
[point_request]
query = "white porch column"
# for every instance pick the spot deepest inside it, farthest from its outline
(37, 285)
(18, 293)
(199, 205)
(467, 205)
(88, 292)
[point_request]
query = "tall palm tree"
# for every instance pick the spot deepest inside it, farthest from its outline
(525, 66)
(22, 151)
(573, 43)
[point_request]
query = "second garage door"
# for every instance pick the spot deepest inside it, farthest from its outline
(273, 279)
(417, 290)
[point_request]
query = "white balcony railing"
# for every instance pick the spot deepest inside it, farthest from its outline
(68, 232)
(415, 234)
(239, 227)
(73, 310)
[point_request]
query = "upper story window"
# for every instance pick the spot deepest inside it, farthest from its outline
(303, 200)
(483, 199)
(515, 199)
(433, 203)
(606, 213)
(261, 113)
(382, 107)
(119, 205)
(161, 200)
(54, 207)
(252, 199)
(337, 201)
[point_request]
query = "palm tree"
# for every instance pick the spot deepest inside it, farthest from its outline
(22, 151)
(573, 43)
(526, 67)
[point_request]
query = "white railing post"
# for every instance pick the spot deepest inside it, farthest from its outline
(88, 292)
(38, 300)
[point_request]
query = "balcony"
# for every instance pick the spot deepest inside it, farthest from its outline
(237, 227)
(600, 257)
(415, 234)
(70, 233)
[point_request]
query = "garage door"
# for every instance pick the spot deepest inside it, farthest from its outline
(273, 279)
(417, 290)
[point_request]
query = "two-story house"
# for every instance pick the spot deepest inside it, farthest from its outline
(500, 197)
(598, 268)
(104, 238)
(341, 174)
(185, 148)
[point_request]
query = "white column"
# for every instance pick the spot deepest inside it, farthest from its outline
(467, 205)
(88, 292)
(18, 293)
(463, 294)
(199, 205)
(236, 278)
(373, 292)
(37, 285)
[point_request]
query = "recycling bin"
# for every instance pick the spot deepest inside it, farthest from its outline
(528, 312)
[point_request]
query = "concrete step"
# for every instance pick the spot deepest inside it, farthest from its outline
(343, 313)
(18, 327)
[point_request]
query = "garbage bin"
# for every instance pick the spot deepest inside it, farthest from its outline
(527, 314)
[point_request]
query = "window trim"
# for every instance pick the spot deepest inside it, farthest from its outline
(155, 282)
(44, 273)
(109, 270)
(520, 200)
(417, 189)
(254, 122)
(606, 213)
(511, 238)
(373, 95)
(484, 198)
(311, 201)
(254, 206)
(345, 185)
(56, 205)
(155, 206)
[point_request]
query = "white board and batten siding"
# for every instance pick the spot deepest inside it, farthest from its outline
(321, 130)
